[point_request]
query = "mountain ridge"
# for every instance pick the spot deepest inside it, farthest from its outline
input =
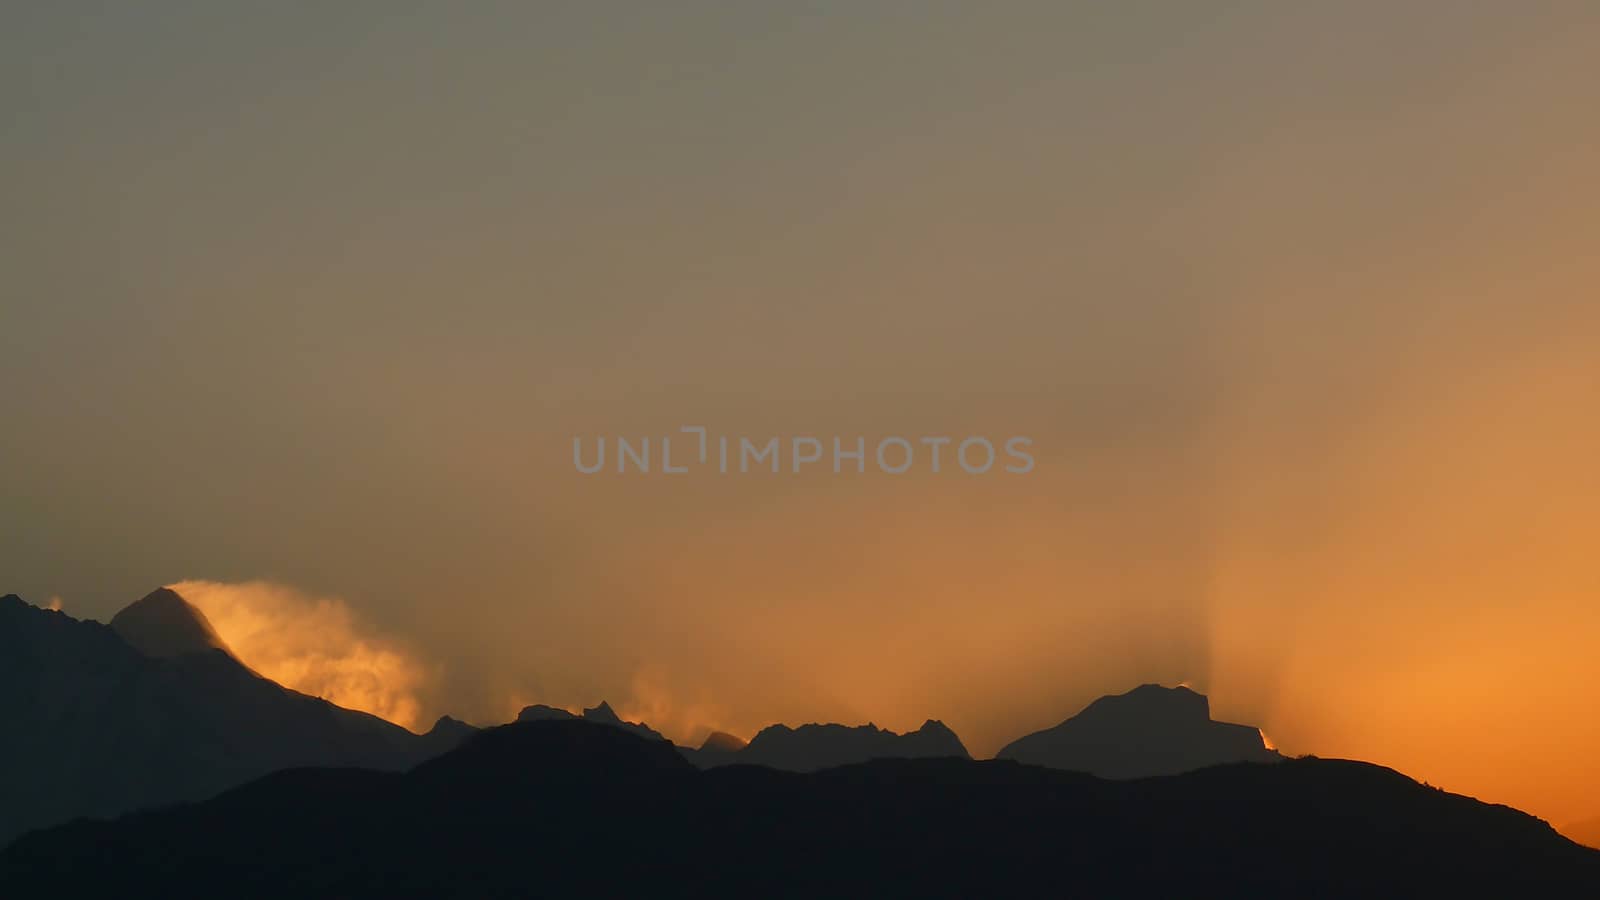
(568, 807)
(1150, 730)
(164, 625)
(150, 717)
(98, 727)
(816, 746)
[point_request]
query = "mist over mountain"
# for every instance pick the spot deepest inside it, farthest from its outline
(566, 807)
(152, 710)
(163, 625)
(1151, 730)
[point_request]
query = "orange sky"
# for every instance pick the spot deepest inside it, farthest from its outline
(1297, 304)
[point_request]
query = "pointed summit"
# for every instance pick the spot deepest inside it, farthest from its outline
(723, 742)
(935, 739)
(446, 734)
(602, 714)
(718, 749)
(605, 715)
(164, 625)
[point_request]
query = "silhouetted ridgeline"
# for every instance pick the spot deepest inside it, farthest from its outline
(803, 749)
(599, 715)
(570, 808)
(812, 747)
(154, 710)
(1151, 730)
(150, 710)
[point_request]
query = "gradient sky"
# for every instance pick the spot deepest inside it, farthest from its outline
(1298, 305)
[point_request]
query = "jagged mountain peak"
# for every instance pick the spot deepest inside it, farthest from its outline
(602, 713)
(723, 742)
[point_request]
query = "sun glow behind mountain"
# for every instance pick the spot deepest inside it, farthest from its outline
(314, 645)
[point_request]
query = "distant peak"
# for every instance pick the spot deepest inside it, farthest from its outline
(602, 713)
(448, 725)
(163, 625)
(1154, 689)
(539, 712)
(723, 741)
(1150, 730)
(1180, 701)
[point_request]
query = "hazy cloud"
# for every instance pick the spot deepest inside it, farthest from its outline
(315, 645)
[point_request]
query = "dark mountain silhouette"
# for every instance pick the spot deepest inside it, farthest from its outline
(718, 749)
(603, 715)
(541, 713)
(803, 749)
(1151, 730)
(812, 747)
(153, 710)
(446, 734)
(723, 742)
(568, 808)
(598, 715)
(163, 625)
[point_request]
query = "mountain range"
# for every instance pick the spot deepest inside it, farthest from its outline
(154, 720)
(569, 807)
(153, 710)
